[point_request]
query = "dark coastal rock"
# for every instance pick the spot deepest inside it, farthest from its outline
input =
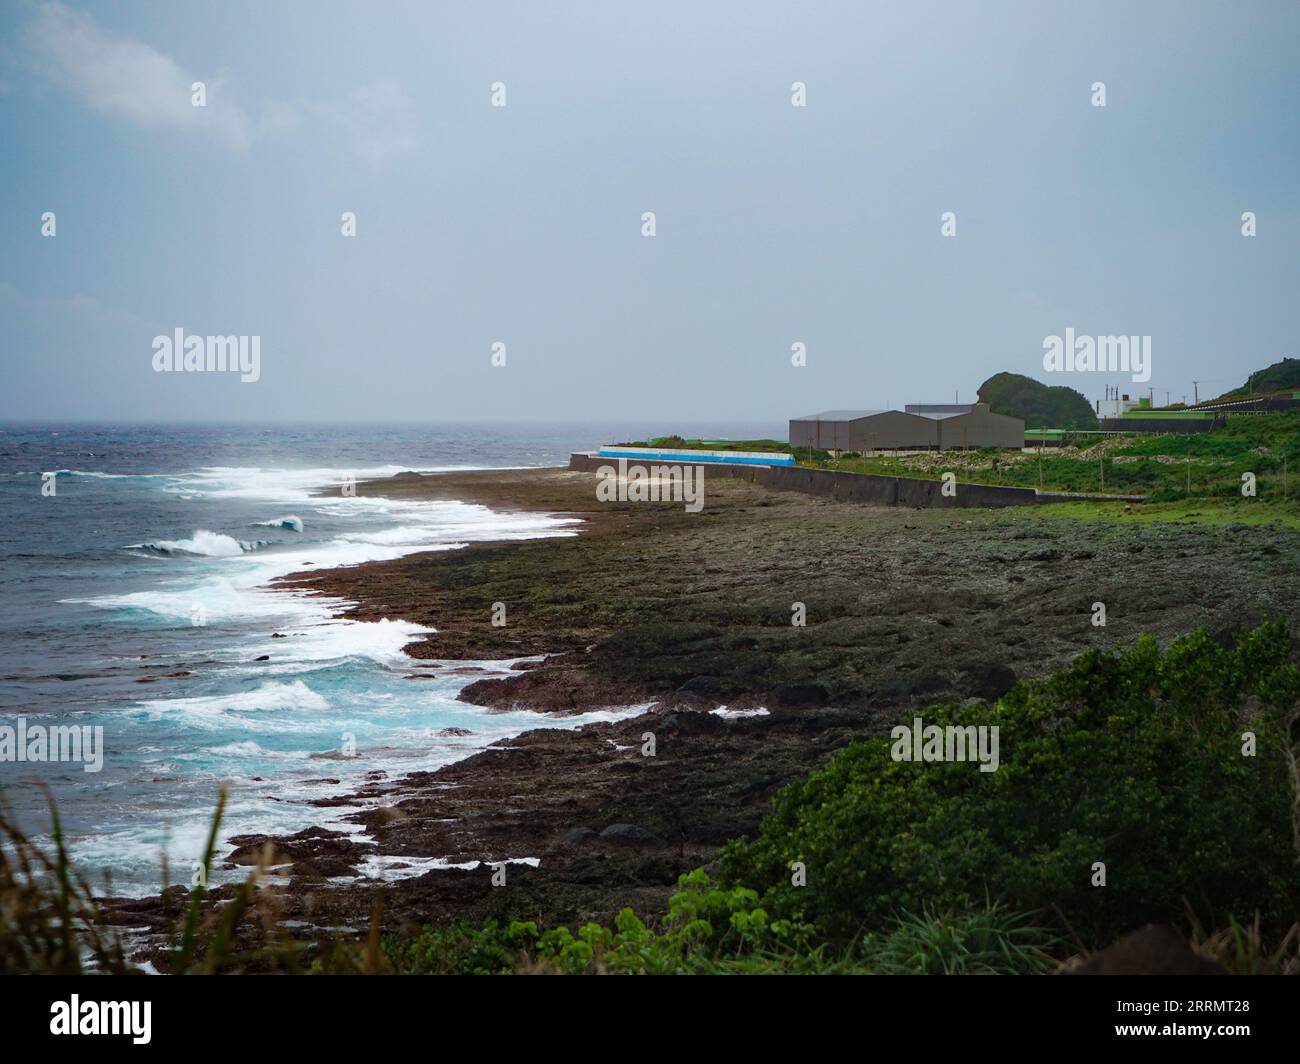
(689, 722)
(555, 690)
(324, 866)
(1156, 949)
(706, 687)
(689, 701)
(653, 605)
(988, 680)
(314, 851)
(1047, 555)
(629, 835)
(799, 695)
(451, 732)
(913, 685)
(658, 870)
(164, 676)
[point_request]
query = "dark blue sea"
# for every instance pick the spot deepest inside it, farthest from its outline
(153, 556)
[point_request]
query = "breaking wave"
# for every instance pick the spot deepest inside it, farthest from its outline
(290, 521)
(203, 543)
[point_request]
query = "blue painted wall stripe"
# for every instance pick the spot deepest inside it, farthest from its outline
(719, 457)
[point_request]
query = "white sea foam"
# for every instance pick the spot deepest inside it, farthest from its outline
(392, 867)
(293, 707)
(248, 748)
(292, 522)
(223, 599)
(215, 710)
(281, 485)
(337, 640)
(203, 543)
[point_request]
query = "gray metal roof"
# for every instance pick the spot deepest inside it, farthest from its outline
(926, 409)
(841, 415)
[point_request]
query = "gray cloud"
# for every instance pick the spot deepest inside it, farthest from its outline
(378, 122)
(128, 79)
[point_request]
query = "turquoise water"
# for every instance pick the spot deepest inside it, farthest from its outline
(154, 555)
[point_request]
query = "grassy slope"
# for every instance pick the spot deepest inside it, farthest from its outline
(711, 445)
(1155, 466)
(1214, 512)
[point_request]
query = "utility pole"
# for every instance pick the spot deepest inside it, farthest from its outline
(1196, 392)
(1166, 397)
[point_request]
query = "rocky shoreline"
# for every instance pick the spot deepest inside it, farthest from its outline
(687, 613)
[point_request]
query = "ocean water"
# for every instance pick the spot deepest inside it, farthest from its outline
(154, 556)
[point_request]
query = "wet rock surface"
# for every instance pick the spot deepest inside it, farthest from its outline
(1153, 950)
(690, 612)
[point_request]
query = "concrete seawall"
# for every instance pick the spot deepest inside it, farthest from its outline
(868, 488)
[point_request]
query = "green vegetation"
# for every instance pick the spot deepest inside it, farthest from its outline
(1136, 759)
(713, 931)
(706, 931)
(1218, 513)
(1133, 759)
(52, 922)
(1279, 377)
(1163, 468)
(49, 922)
(1041, 406)
(1148, 414)
(711, 445)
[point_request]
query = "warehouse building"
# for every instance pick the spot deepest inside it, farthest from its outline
(862, 430)
(942, 427)
(971, 425)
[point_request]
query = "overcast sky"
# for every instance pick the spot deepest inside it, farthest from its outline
(522, 224)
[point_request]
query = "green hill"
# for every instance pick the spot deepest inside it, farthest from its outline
(1279, 377)
(1041, 406)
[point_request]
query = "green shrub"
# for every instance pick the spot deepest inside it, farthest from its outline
(1133, 759)
(990, 940)
(461, 949)
(711, 930)
(706, 930)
